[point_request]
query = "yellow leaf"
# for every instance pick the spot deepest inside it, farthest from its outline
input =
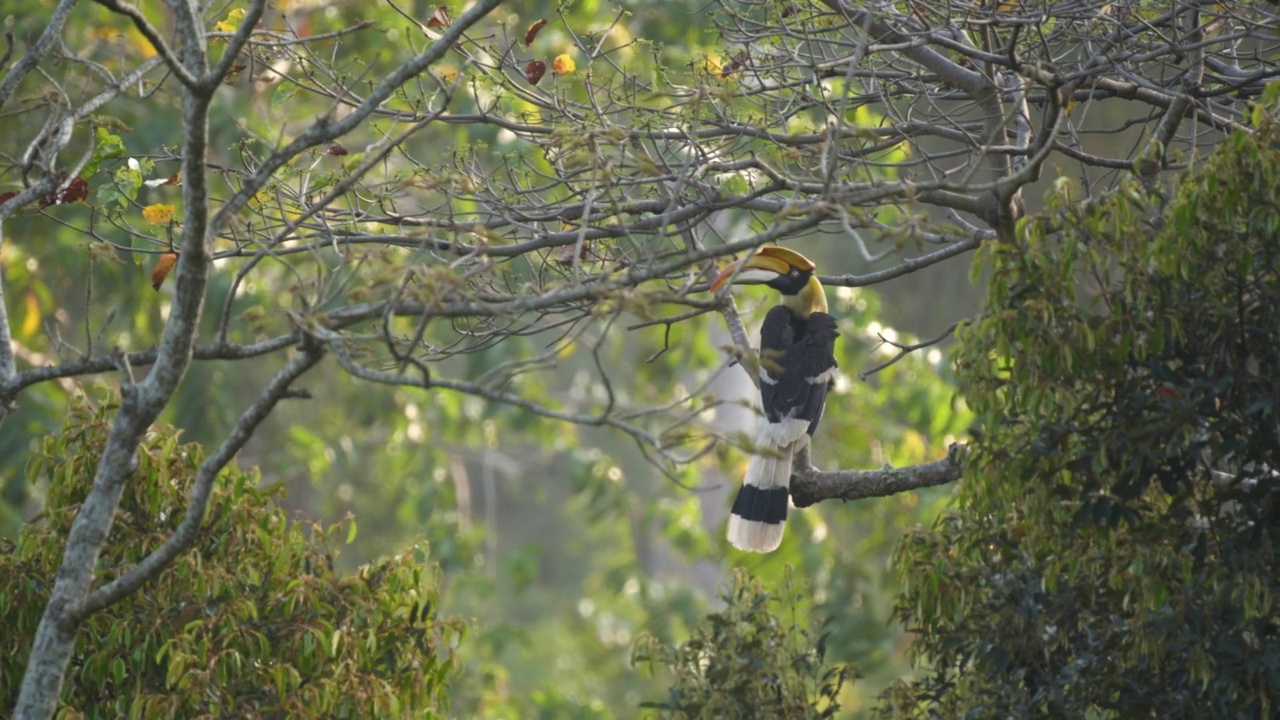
(140, 42)
(31, 322)
(563, 64)
(231, 22)
(158, 214)
(447, 73)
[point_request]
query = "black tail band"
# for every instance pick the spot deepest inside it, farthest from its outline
(761, 505)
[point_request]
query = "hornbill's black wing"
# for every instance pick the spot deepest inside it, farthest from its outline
(797, 365)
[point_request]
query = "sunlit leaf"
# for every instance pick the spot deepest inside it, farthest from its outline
(563, 64)
(158, 214)
(31, 317)
(174, 179)
(230, 22)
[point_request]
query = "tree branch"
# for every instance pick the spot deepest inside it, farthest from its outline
(132, 580)
(7, 365)
(325, 129)
(10, 388)
(140, 405)
(153, 36)
(813, 486)
(37, 51)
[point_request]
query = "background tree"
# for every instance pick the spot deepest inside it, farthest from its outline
(255, 623)
(1113, 553)
(510, 223)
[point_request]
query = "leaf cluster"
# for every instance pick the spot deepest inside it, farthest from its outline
(253, 622)
(753, 659)
(1114, 551)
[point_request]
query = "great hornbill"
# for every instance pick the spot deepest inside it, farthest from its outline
(797, 366)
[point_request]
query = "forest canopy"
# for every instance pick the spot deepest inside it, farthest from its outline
(441, 273)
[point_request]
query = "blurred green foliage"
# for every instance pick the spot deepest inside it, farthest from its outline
(253, 621)
(1113, 552)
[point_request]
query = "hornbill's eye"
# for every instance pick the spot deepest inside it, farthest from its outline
(795, 273)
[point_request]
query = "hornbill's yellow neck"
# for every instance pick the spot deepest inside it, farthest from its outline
(809, 300)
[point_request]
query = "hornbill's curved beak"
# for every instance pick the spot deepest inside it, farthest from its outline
(764, 266)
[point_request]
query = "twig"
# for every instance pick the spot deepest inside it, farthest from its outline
(904, 350)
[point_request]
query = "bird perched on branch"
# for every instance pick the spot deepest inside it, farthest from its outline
(797, 366)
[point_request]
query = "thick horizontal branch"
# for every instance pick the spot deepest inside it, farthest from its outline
(814, 486)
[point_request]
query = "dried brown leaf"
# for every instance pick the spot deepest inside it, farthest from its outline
(533, 32)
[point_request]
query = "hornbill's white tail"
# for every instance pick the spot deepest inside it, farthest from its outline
(760, 511)
(797, 365)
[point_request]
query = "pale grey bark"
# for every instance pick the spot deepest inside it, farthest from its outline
(72, 599)
(7, 366)
(39, 49)
(28, 62)
(140, 404)
(813, 486)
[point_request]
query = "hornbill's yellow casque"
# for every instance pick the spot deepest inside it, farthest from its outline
(797, 365)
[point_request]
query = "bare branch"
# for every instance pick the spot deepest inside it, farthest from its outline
(37, 51)
(7, 365)
(596, 204)
(153, 36)
(905, 350)
(814, 486)
(325, 129)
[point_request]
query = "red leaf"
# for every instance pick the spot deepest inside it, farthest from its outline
(440, 18)
(4, 197)
(78, 190)
(533, 32)
(164, 264)
(233, 75)
(75, 191)
(1168, 393)
(534, 71)
(336, 149)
